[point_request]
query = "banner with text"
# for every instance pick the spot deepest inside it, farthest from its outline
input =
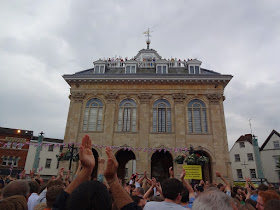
(193, 172)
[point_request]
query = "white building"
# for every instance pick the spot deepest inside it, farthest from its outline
(48, 164)
(243, 159)
(270, 154)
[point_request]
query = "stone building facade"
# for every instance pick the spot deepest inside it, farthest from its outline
(150, 106)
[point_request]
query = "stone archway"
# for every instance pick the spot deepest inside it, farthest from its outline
(123, 157)
(206, 169)
(95, 169)
(160, 164)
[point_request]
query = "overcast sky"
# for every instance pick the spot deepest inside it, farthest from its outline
(42, 40)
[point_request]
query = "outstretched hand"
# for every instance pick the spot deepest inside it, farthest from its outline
(183, 174)
(171, 172)
(218, 174)
(22, 175)
(110, 172)
(86, 156)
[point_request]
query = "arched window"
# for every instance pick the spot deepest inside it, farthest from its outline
(127, 116)
(197, 118)
(93, 115)
(162, 116)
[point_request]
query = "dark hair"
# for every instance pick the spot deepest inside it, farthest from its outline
(140, 190)
(90, 195)
(272, 204)
(52, 193)
(220, 185)
(54, 182)
(17, 187)
(171, 188)
(185, 195)
(136, 198)
(262, 187)
(18, 202)
(33, 186)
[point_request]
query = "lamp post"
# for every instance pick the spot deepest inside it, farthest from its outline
(70, 155)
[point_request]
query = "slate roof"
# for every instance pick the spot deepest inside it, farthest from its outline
(268, 138)
(35, 138)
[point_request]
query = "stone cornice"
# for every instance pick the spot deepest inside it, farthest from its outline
(178, 97)
(215, 98)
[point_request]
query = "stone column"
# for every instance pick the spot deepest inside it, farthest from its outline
(143, 162)
(179, 127)
(219, 137)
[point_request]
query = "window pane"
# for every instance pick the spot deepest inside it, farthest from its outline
(191, 70)
(126, 119)
(196, 69)
(159, 69)
(133, 69)
(169, 121)
(120, 120)
(204, 121)
(96, 69)
(190, 123)
(101, 69)
(154, 120)
(161, 120)
(127, 69)
(197, 120)
(134, 120)
(164, 70)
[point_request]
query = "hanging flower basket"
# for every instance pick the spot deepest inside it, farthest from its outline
(179, 159)
(192, 159)
(202, 160)
(67, 156)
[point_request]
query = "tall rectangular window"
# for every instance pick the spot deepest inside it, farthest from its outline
(250, 156)
(253, 173)
(48, 163)
(239, 173)
(197, 116)
(50, 148)
(237, 157)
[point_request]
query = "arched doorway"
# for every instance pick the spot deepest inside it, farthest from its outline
(95, 169)
(160, 164)
(206, 169)
(123, 157)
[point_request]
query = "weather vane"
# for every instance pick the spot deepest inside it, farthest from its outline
(148, 41)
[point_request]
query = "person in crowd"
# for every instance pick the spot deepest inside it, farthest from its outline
(33, 191)
(213, 199)
(265, 196)
(139, 201)
(171, 189)
(272, 204)
(17, 187)
(15, 202)
(188, 195)
(139, 191)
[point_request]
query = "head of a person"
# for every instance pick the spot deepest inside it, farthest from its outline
(272, 204)
(265, 196)
(185, 195)
(90, 195)
(213, 198)
(18, 202)
(54, 182)
(139, 191)
(172, 189)
(52, 193)
(157, 198)
(262, 187)
(139, 201)
(34, 187)
(17, 187)
(246, 206)
(221, 187)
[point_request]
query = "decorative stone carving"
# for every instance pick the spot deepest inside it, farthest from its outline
(144, 97)
(214, 98)
(111, 97)
(77, 97)
(178, 97)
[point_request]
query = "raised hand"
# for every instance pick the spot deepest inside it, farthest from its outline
(183, 174)
(171, 172)
(85, 154)
(22, 175)
(32, 173)
(67, 176)
(110, 172)
(60, 175)
(218, 174)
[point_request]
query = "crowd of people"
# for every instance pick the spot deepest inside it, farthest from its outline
(108, 192)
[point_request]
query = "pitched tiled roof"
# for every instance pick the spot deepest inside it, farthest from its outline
(268, 138)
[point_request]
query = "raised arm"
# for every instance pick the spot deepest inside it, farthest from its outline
(150, 190)
(218, 174)
(171, 172)
(186, 184)
(87, 162)
(120, 196)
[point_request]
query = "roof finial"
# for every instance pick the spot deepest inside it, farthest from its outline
(148, 41)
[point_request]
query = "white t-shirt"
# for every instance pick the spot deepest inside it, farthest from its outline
(153, 205)
(32, 201)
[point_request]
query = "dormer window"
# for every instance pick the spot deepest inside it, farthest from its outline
(162, 69)
(99, 69)
(194, 69)
(130, 69)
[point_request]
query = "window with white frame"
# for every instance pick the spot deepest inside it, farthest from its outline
(239, 174)
(241, 144)
(197, 117)
(237, 157)
(50, 148)
(162, 69)
(276, 144)
(130, 69)
(10, 161)
(250, 157)
(15, 161)
(93, 115)
(5, 161)
(127, 116)
(48, 163)
(162, 116)
(99, 69)
(253, 173)
(193, 69)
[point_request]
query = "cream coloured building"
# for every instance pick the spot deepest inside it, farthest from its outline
(149, 109)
